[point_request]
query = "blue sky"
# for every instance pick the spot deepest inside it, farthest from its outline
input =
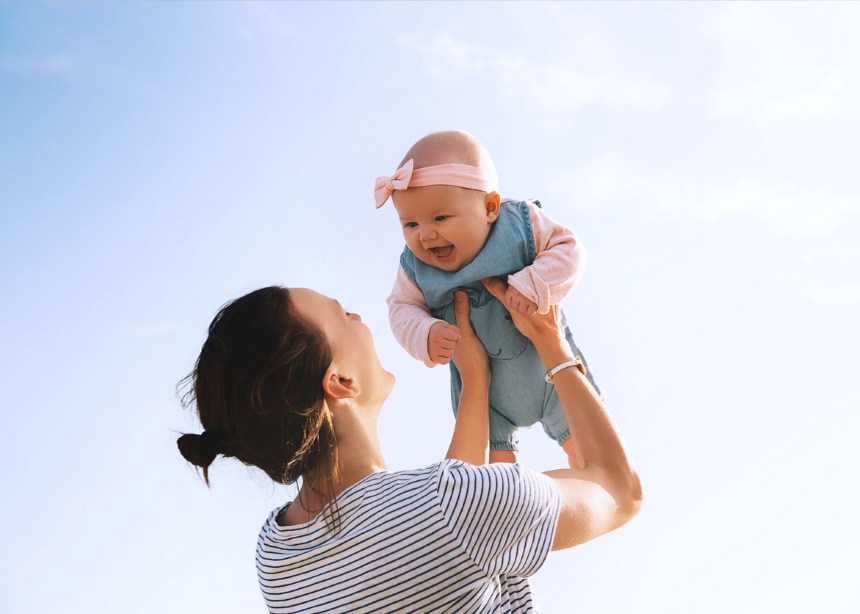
(159, 159)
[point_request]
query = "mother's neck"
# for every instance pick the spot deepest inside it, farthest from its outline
(358, 450)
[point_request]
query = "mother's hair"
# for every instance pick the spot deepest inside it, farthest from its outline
(257, 385)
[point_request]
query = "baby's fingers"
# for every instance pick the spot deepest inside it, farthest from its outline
(526, 307)
(449, 333)
(448, 345)
(447, 351)
(441, 357)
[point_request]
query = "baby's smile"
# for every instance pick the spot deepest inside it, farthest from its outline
(441, 253)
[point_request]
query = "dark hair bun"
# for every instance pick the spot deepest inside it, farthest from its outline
(201, 450)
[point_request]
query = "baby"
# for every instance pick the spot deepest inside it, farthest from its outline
(458, 230)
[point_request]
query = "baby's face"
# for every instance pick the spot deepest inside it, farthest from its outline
(445, 226)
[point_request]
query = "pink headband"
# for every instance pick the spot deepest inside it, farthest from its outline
(460, 175)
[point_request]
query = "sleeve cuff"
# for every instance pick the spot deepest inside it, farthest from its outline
(422, 338)
(532, 287)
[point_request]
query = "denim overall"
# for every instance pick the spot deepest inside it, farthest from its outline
(519, 395)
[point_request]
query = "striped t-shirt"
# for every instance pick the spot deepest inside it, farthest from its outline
(448, 538)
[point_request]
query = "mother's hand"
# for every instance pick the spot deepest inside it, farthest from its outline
(544, 330)
(470, 356)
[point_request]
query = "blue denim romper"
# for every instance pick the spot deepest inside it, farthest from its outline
(519, 395)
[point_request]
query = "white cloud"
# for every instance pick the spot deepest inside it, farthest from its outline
(783, 62)
(846, 294)
(609, 182)
(787, 209)
(443, 48)
(824, 101)
(564, 85)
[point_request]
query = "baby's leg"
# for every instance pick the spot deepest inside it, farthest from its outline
(503, 439)
(570, 449)
(555, 425)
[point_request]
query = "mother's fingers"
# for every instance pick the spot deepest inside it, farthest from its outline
(496, 287)
(462, 307)
(531, 324)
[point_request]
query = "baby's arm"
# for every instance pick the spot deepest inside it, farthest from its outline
(558, 265)
(426, 338)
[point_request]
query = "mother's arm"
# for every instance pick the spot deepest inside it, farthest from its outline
(471, 439)
(605, 492)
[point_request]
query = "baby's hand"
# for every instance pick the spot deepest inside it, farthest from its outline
(515, 301)
(442, 341)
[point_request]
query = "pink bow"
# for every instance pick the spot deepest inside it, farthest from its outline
(385, 186)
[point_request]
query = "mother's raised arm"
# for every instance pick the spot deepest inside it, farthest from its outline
(605, 491)
(471, 439)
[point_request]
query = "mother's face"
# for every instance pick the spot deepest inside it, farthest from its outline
(353, 352)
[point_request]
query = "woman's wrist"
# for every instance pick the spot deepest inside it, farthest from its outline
(554, 351)
(481, 382)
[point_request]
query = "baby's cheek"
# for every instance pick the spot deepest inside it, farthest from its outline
(411, 240)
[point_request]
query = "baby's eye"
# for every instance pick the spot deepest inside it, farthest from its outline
(410, 225)
(441, 218)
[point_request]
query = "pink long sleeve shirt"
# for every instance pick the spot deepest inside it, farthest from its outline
(557, 267)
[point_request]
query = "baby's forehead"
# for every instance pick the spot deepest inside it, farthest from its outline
(434, 199)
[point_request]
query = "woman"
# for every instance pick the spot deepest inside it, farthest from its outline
(290, 382)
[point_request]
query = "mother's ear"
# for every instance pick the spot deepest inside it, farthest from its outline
(493, 203)
(338, 386)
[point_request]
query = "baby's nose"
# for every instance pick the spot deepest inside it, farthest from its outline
(428, 233)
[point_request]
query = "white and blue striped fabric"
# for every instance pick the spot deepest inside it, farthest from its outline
(448, 538)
